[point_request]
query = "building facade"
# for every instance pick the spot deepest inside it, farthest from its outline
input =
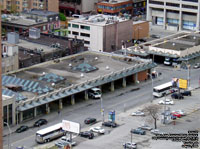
(70, 7)
(174, 15)
(1, 124)
(20, 5)
(97, 30)
(115, 7)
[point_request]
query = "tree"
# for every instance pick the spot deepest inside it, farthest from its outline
(153, 111)
(62, 17)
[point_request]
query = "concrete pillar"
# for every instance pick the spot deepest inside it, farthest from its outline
(21, 116)
(180, 21)
(60, 104)
(112, 86)
(35, 112)
(198, 18)
(7, 114)
(136, 78)
(165, 18)
(124, 82)
(47, 109)
(86, 95)
(148, 13)
(72, 100)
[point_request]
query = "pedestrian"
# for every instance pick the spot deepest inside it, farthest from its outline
(58, 112)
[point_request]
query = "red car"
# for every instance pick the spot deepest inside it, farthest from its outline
(176, 114)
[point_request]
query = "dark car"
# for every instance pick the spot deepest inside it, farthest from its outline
(22, 129)
(40, 122)
(155, 36)
(177, 96)
(186, 93)
(90, 120)
(87, 134)
(109, 124)
(138, 131)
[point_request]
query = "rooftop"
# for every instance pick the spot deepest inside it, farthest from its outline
(114, 1)
(100, 20)
(62, 78)
(40, 12)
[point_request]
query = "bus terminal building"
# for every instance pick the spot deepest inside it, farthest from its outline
(53, 85)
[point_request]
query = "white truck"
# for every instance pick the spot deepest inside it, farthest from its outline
(94, 93)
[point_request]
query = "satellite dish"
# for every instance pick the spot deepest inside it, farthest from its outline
(82, 75)
(70, 65)
(43, 73)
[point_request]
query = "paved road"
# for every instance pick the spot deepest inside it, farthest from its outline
(115, 100)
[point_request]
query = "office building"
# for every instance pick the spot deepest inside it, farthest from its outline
(102, 32)
(20, 5)
(1, 124)
(174, 14)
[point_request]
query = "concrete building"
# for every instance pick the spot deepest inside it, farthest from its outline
(139, 7)
(70, 7)
(50, 86)
(101, 32)
(174, 15)
(115, 7)
(182, 48)
(21, 5)
(140, 29)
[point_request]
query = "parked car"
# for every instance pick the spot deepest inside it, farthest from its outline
(196, 66)
(145, 127)
(90, 120)
(109, 124)
(181, 112)
(138, 113)
(155, 36)
(61, 144)
(97, 130)
(166, 101)
(67, 140)
(138, 131)
(129, 145)
(176, 114)
(156, 131)
(40, 122)
(87, 134)
(186, 93)
(22, 129)
(177, 96)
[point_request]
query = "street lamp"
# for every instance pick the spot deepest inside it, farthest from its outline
(9, 134)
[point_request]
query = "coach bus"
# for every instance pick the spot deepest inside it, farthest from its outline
(163, 89)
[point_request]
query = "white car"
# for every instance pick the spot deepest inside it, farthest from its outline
(138, 113)
(181, 112)
(130, 145)
(166, 101)
(98, 130)
(145, 127)
(156, 131)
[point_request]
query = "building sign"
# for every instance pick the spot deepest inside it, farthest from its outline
(182, 83)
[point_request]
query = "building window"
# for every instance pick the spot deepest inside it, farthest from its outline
(69, 32)
(85, 27)
(69, 24)
(85, 35)
(74, 33)
(75, 26)
(86, 42)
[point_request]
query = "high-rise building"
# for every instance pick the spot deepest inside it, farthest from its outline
(20, 5)
(174, 14)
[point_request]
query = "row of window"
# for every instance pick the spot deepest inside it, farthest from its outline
(77, 26)
(81, 34)
(114, 7)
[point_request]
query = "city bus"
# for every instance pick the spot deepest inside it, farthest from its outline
(163, 89)
(49, 133)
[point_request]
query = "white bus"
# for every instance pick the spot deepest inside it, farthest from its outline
(49, 133)
(163, 89)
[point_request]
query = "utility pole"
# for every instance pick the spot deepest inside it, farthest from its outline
(9, 134)
(102, 110)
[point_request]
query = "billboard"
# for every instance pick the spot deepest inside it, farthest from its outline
(182, 83)
(71, 126)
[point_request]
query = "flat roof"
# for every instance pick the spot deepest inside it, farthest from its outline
(114, 1)
(99, 20)
(109, 66)
(39, 12)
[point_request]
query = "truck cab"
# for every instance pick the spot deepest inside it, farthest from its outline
(94, 93)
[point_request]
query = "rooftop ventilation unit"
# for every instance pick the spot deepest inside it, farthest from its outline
(34, 33)
(13, 38)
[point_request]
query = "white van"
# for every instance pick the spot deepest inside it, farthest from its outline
(94, 93)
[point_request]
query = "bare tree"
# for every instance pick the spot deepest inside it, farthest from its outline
(153, 111)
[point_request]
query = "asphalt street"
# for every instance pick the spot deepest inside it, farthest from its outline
(120, 100)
